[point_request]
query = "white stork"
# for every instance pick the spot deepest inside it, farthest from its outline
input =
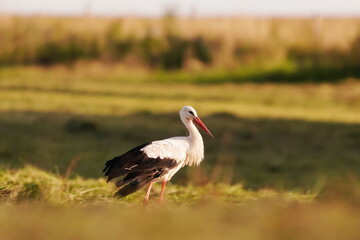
(158, 160)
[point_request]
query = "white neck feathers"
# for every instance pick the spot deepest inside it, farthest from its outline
(195, 152)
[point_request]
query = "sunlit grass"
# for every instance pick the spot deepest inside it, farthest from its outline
(42, 90)
(32, 184)
(39, 205)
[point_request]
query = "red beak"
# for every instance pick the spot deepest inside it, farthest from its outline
(202, 125)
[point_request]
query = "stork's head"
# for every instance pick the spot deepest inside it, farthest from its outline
(188, 114)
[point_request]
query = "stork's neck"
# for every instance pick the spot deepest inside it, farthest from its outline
(194, 134)
(195, 153)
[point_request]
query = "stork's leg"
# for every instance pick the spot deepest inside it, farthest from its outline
(162, 191)
(146, 200)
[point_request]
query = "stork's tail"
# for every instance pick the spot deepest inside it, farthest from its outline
(133, 186)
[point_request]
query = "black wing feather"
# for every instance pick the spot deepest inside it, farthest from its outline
(137, 170)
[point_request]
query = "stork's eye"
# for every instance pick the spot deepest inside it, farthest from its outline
(191, 112)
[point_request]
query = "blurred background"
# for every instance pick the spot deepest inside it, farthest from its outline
(82, 81)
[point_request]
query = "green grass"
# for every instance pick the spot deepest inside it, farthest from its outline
(285, 136)
(290, 152)
(101, 90)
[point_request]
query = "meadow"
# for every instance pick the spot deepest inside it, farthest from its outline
(284, 163)
(284, 167)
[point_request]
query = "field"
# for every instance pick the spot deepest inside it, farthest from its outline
(293, 158)
(284, 163)
(84, 209)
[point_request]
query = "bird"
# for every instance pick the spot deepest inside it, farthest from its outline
(158, 161)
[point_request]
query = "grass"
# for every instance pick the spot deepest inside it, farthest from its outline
(306, 135)
(32, 184)
(294, 221)
(210, 211)
(92, 92)
(284, 163)
(40, 205)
